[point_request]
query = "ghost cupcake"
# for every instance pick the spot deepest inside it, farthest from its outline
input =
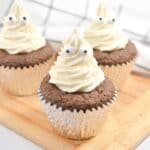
(112, 50)
(75, 93)
(25, 56)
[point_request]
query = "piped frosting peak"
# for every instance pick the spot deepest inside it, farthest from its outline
(76, 69)
(103, 33)
(18, 34)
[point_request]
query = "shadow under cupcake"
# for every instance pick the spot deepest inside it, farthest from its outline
(25, 56)
(76, 93)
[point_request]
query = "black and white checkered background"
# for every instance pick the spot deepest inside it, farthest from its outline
(56, 18)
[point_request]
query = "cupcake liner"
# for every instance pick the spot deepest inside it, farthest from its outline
(118, 74)
(24, 81)
(73, 124)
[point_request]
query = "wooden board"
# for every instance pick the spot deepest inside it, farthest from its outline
(127, 124)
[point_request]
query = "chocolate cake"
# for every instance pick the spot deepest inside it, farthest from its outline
(102, 95)
(22, 60)
(115, 57)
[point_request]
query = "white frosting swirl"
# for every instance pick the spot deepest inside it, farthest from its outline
(19, 34)
(103, 34)
(76, 69)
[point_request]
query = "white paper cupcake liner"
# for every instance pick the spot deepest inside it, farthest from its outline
(25, 81)
(73, 124)
(118, 74)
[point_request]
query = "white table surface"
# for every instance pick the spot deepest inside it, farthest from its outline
(12, 141)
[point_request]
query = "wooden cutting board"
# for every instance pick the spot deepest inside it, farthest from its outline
(127, 124)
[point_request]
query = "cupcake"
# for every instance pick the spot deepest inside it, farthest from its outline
(75, 93)
(112, 50)
(25, 56)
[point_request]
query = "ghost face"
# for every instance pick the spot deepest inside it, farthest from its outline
(76, 46)
(17, 15)
(104, 16)
(106, 20)
(83, 50)
(17, 20)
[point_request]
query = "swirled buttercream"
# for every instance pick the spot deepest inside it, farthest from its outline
(103, 34)
(76, 69)
(18, 34)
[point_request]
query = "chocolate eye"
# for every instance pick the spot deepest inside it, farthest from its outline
(11, 19)
(111, 21)
(83, 51)
(24, 20)
(69, 50)
(100, 18)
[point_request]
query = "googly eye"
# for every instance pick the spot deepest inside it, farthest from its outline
(100, 19)
(111, 21)
(11, 19)
(83, 51)
(24, 20)
(69, 50)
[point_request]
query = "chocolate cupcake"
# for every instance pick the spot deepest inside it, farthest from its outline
(75, 93)
(112, 50)
(25, 56)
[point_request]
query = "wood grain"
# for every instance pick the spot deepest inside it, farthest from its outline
(127, 123)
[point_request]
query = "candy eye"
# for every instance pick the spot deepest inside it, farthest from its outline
(83, 51)
(11, 19)
(100, 19)
(24, 20)
(69, 50)
(111, 21)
